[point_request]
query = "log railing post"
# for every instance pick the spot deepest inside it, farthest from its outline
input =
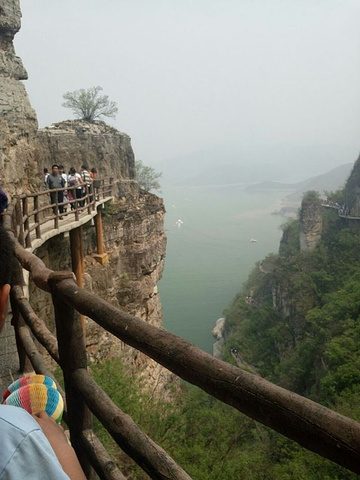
(56, 219)
(25, 210)
(19, 223)
(18, 322)
(92, 196)
(76, 204)
(72, 354)
(88, 197)
(103, 187)
(37, 216)
(100, 256)
(77, 260)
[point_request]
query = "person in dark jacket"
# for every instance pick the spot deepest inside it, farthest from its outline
(54, 181)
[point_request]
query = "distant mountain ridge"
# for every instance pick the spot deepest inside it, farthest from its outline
(332, 180)
(234, 164)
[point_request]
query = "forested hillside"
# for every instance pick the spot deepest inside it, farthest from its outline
(297, 324)
(301, 329)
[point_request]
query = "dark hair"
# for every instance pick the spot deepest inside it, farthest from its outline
(93, 170)
(46, 170)
(6, 257)
(3, 201)
(61, 167)
(55, 165)
(85, 167)
(72, 170)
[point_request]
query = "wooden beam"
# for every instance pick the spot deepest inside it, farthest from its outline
(77, 261)
(313, 426)
(100, 256)
(72, 354)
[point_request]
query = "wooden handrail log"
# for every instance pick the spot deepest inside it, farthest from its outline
(37, 326)
(40, 274)
(311, 425)
(151, 458)
(99, 458)
(36, 359)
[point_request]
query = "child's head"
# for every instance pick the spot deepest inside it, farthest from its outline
(6, 262)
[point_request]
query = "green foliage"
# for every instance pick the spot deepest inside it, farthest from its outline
(147, 177)
(89, 104)
(209, 439)
(310, 197)
(305, 335)
(290, 243)
(337, 196)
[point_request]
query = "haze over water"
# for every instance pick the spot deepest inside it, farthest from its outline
(209, 256)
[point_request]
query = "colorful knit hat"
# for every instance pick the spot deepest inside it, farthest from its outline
(35, 396)
(27, 380)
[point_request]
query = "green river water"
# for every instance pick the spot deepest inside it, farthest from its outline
(209, 255)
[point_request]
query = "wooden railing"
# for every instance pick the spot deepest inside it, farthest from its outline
(34, 210)
(313, 426)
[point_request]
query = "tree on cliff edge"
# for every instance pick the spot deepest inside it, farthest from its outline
(147, 177)
(89, 104)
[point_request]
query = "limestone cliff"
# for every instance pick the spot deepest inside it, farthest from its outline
(135, 241)
(18, 124)
(133, 226)
(310, 221)
(352, 191)
(76, 142)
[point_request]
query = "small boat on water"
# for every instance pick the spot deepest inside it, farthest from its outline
(253, 240)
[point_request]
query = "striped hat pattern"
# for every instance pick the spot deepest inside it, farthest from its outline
(35, 393)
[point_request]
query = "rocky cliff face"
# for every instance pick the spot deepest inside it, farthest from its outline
(135, 241)
(310, 221)
(75, 142)
(18, 124)
(133, 226)
(352, 191)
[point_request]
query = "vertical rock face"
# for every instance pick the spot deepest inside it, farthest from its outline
(352, 191)
(310, 221)
(18, 124)
(135, 241)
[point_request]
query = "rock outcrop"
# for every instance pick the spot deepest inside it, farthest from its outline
(135, 241)
(219, 333)
(352, 191)
(73, 143)
(18, 123)
(310, 221)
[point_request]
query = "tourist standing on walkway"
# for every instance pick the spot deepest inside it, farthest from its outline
(93, 173)
(74, 184)
(53, 181)
(85, 176)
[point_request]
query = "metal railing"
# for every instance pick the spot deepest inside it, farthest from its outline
(313, 426)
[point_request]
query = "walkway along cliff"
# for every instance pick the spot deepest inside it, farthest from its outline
(130, 234)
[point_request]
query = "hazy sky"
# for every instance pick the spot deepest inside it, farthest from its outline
(191, 74)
